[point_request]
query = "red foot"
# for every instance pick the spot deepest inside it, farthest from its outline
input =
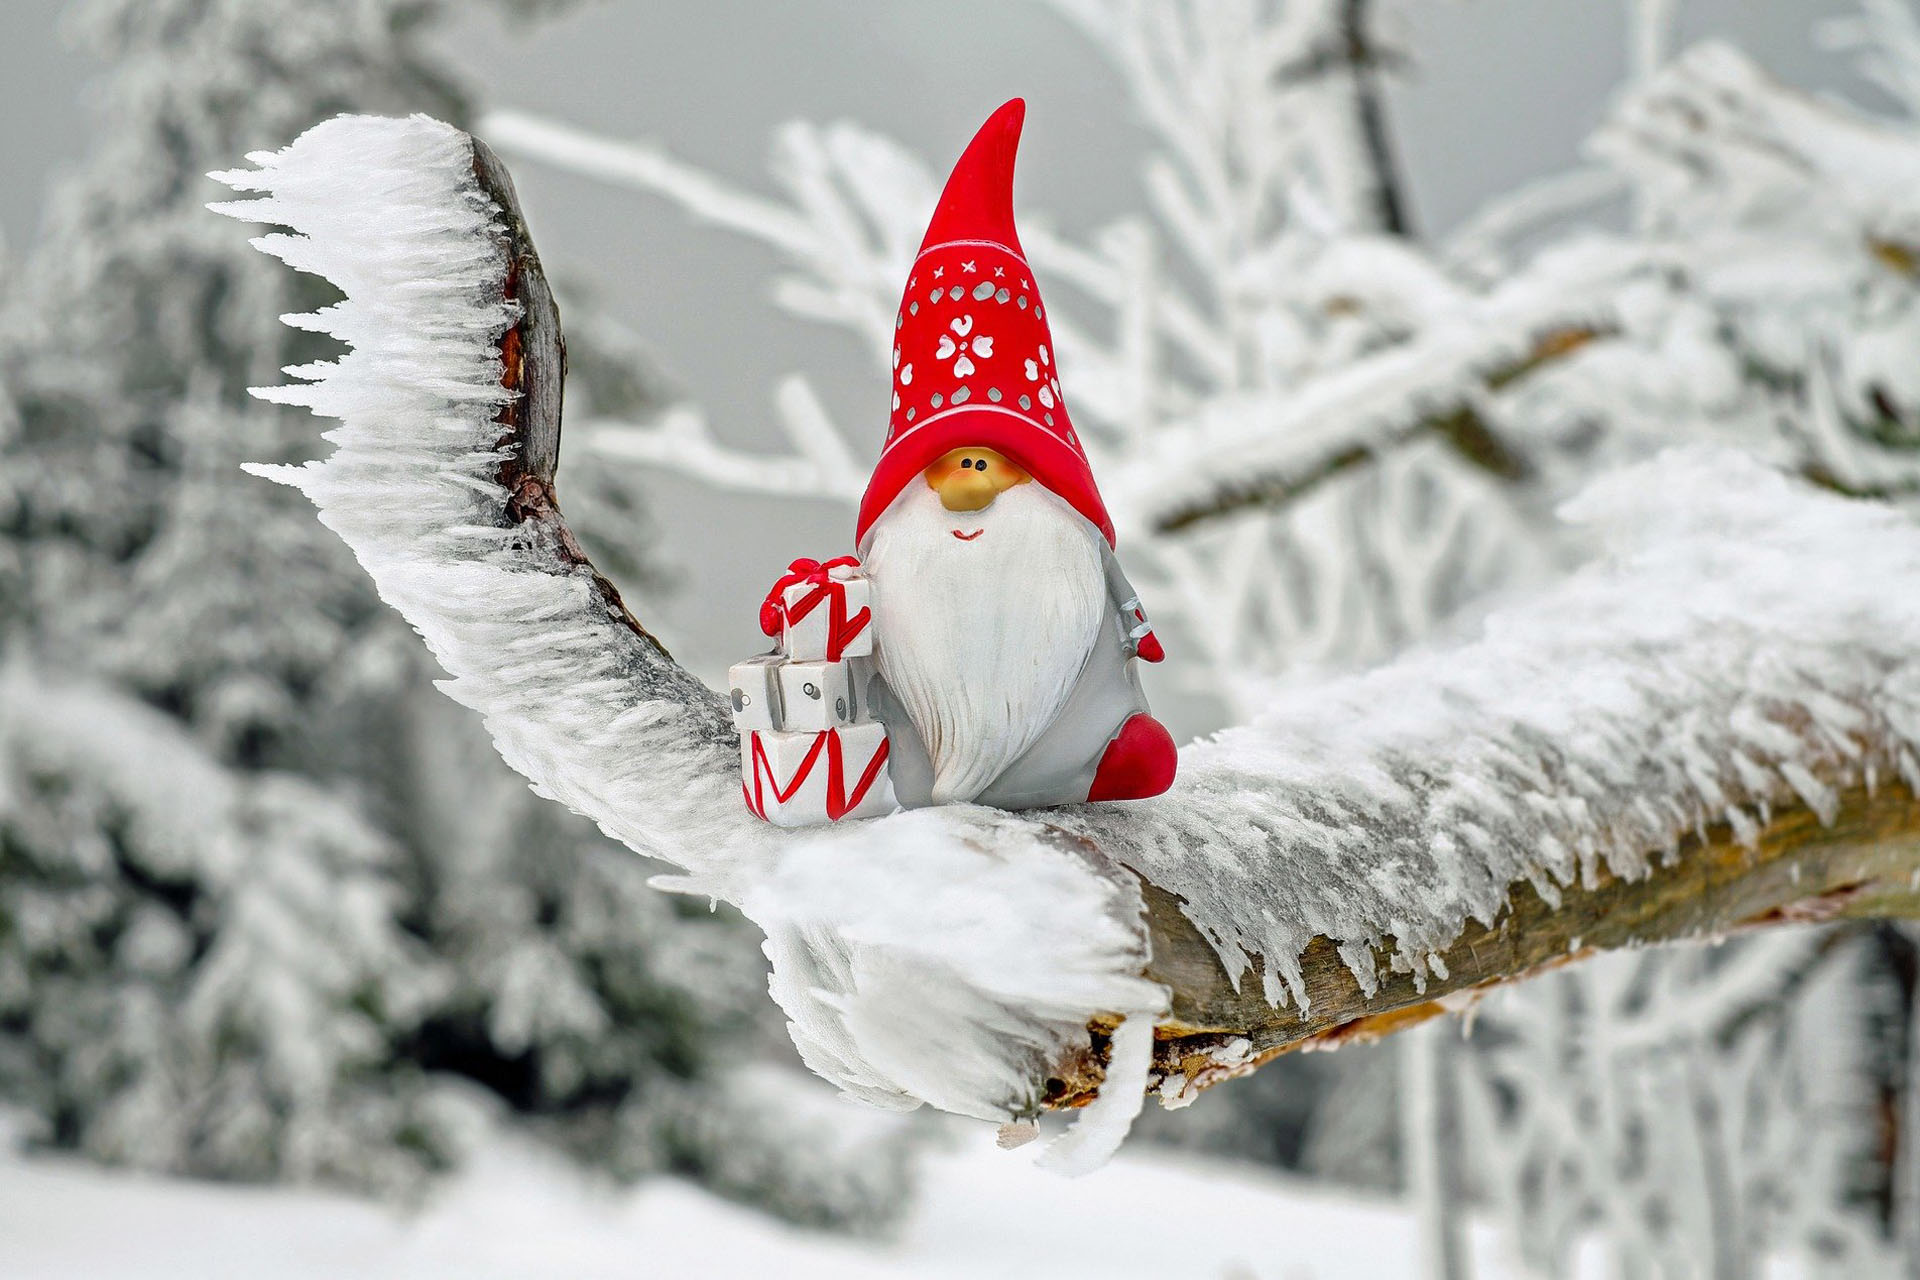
(1138, 763)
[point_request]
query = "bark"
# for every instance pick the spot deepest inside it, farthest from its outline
(533, 357)
(1370, 112)
(1865, 865)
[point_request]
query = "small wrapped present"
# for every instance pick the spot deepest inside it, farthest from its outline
(808, 752)
(807, 779)
(821, 612)
(818, 695)
(754, 693)
(771, 692)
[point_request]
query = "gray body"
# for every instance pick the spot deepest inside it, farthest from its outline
(1059, 767)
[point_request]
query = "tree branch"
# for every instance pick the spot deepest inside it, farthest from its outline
(1865, 864)
(1363, 57)
(1265, 449)
(1460, 426)
(819, 465)
(1741, 660)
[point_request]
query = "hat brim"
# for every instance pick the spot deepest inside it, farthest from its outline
(1049, 459)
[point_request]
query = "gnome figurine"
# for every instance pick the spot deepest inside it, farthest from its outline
(1004, 631)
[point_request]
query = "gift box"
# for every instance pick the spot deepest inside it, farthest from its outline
(827, 615)
(818, 695)
(808, 754)
(771, 692)
(754, 692)
(794, 779)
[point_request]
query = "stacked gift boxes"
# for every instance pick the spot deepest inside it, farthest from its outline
(808, 751)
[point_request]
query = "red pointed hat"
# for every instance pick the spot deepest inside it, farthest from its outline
(973, 359)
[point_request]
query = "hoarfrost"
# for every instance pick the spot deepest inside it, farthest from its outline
(1736, 644)
(943, 956)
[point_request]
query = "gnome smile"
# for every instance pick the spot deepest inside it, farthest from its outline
(970, 479)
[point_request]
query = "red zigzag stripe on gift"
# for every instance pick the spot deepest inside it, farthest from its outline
(840, 628)
(839, 803)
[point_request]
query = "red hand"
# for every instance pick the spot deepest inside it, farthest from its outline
(1146, 647)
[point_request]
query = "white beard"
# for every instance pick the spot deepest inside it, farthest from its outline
(983, 640)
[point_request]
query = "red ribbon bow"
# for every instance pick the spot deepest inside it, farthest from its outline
(841, 628)
(773, 610)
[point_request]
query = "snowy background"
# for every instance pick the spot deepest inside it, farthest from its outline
(296, 979)
(1493, 93)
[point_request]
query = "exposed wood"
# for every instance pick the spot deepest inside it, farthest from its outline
(1901, 257)
(533, 353)
(533, 358)
(1370, 112)
(1865, 865)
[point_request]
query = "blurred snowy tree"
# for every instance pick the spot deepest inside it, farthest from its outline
(1326, 441)
(261, 893)
(1711, 1107)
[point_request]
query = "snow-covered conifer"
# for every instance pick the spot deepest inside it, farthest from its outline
(265, 899)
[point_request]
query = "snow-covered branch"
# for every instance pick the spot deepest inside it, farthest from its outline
(1247, 98)
(1264, 448)
(1799, 223)
(1717, 719)
(441, 481)
(1789, 220)
(856, 205)
(1714, 135)
(1481, 245)
(1887, 34)
(1713, 883)
(649, 168)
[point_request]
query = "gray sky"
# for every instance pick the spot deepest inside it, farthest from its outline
(1498, 91)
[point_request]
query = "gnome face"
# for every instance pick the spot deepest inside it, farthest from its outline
(970, 478)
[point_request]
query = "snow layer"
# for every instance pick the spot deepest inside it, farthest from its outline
(515, 1211)
(965, 929)
(1740, 642)
(945, 957)
(597, 716)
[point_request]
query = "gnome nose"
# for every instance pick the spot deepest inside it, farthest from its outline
(970, 479)
(968, 491)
